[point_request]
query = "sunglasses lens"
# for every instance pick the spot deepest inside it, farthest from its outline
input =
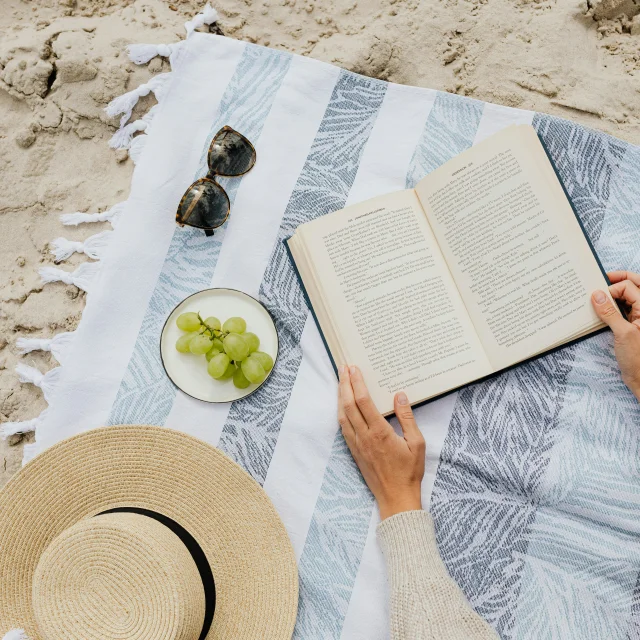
(204, 205)
(231, 154)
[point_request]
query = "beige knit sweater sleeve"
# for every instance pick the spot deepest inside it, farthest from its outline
(426, 604)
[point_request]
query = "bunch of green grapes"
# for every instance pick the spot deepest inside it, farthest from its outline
(230, 350)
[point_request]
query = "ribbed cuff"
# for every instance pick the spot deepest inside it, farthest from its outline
(408, 542)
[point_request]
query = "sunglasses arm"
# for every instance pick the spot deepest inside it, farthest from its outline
(208, 232)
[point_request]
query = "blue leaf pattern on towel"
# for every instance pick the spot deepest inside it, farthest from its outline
(583, 557)
(333, 547)
(146, 395)
(251, 431)
(531, 521)
(450, 129)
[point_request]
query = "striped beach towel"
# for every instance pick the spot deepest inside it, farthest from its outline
(533, 477)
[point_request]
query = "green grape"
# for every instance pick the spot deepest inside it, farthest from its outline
(253, 370)
(252, 340)
(188, 321)
(182, 343)
(217, 347)
(217, 366)
(239, 380)
(265, 360)
(236, 347)
(200, 344)
(235, 325)
(213, 323)
(212, 352)
(231, 369)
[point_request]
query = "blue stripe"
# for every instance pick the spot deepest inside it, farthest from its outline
(491, 479)
(338, 529)
(450, 129)
(251, 431)
(583, 554)
(146, 395)
(333, 548)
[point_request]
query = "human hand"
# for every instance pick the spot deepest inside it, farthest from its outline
(626, 333)
(392, 466)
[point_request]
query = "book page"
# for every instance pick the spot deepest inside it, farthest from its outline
(515, 249)
(383, 290)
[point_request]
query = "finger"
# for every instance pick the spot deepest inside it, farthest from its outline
(345, 424)
(404, 413)
(618, 276)
(362, 397)
(349, 402)
(347, 429)
(625, 290)
(608, 312)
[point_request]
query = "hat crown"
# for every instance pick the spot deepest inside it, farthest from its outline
(118, 575)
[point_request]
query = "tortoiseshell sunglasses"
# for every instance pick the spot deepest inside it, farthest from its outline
(205, 204)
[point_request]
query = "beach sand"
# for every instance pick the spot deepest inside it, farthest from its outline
(62, 61)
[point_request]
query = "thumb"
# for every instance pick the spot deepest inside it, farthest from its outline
(406, 419)
(608, 312)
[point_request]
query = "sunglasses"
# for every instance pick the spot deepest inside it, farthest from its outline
(205, 204)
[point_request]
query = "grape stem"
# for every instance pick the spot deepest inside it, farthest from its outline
(213, 333)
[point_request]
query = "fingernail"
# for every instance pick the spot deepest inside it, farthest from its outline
(353, 370)
(599, 296)
(402, 398)
(341, 370)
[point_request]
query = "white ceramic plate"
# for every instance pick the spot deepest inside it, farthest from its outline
(189, 372)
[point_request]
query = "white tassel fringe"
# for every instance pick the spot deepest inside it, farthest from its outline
(46, 381)
(27, 345)
(16, 634)
(81, 277)
(93, 246)
(57, 345)
(208, 16)
(78, 217)
(25, 426)
(142, 53)
(126, 102)
(121, 139)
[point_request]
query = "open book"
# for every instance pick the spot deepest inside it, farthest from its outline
(482, 266)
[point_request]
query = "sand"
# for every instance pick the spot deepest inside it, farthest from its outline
(61, 61)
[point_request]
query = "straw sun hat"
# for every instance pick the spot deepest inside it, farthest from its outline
(144, 533)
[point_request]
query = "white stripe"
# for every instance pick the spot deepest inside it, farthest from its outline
(387, 155)
(304, 444)
(368, 614)
(199, 419)
(139, 245)
(496, 117)
(249, 239)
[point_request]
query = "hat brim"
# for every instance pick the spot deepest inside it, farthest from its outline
(176, 475)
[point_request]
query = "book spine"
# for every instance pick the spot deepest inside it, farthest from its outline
(308, 301)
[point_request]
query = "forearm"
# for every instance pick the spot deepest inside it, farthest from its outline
(425, 601)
